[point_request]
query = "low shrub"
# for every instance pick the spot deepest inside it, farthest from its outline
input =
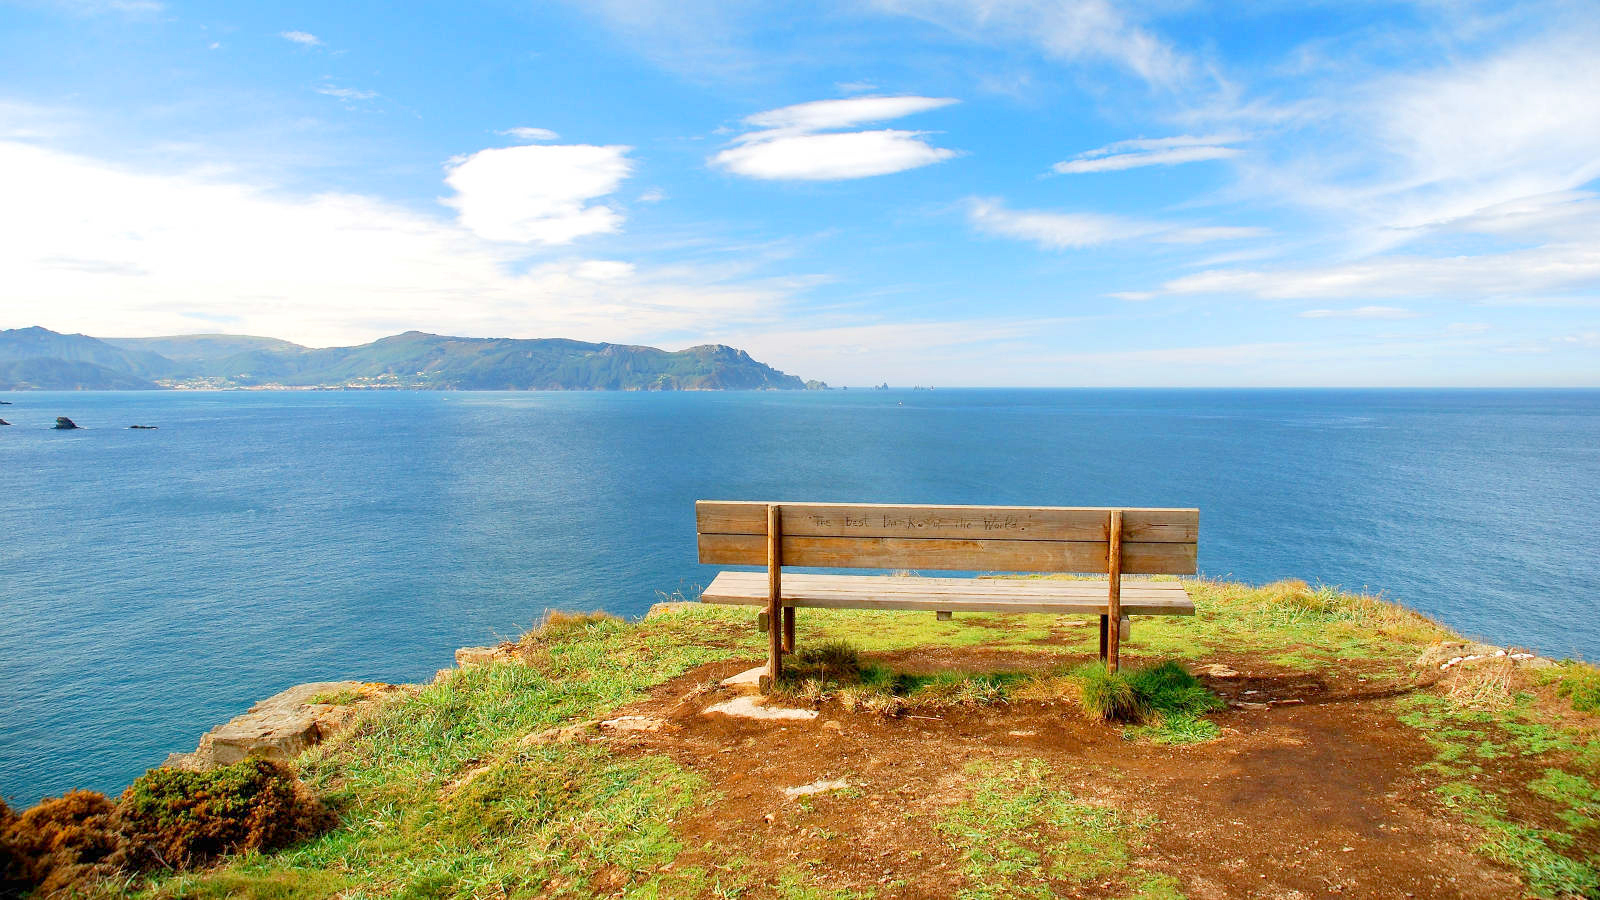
(173, 818)
(61, 841)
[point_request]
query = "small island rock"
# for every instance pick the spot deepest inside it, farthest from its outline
(4, 422)
(65, 424)
(144, 427)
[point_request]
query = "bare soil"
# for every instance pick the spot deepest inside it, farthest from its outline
(1317, 794)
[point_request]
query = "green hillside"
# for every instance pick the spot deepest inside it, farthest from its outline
(413, 360)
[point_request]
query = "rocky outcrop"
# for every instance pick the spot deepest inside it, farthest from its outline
(284, 725)
(1446, 655)
(65, 424)
(4, 422)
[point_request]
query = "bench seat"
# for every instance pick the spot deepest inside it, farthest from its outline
(992, 595)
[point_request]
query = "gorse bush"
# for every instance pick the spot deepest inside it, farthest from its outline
(62, 841)
(167, 819)
(174, 818)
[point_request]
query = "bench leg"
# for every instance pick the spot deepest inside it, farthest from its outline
(1105, 638)
(788, 629)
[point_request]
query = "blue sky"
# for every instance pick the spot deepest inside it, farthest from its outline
(948, 192)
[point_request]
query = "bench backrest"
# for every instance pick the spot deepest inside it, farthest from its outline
(968, 538)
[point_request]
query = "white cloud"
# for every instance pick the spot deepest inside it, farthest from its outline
(1148, 152)
(303, 38)
(538, 193)
(1070, 231)
(802, 142)
(92, 247)
(829, 115)
(1360, 312)
(1515, 276)
(1077, 31)
(347, 94)
(828, 157)
(531, 134)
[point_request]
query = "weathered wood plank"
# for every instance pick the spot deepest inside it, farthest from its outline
(1138, 558)
(774, 542)
(837, 592)
(1038, 523)
(1114, 592)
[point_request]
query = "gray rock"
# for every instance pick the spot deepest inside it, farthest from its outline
(65, 424)
(282, 726)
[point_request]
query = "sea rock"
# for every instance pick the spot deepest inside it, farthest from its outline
(65, 424)
(143, 427)
(4, 422)
(467, 657)
(284, 725)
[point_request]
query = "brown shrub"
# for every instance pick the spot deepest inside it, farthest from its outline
(62, 841)
(12, 882)
(172, 818)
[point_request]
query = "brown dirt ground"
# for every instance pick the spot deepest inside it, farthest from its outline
(1314, 797)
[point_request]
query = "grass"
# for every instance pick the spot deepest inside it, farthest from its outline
(438, 797)
(1022, 835)
(1465, 736)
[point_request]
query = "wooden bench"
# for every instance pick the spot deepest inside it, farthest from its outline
(959, 538)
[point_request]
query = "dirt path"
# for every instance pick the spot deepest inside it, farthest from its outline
(1316, 796)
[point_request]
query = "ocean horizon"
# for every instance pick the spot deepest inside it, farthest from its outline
(155, 583)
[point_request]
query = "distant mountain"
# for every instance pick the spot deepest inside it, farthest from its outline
(204, 348)
(64, 375)
(20, 344)
(412, 360)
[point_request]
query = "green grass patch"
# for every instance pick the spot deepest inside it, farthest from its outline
(1578, 683)
(1019, 835)
(341, 697)
(1161, 702)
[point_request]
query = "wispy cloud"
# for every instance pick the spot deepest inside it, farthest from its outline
(803, 142)
(1077, 230)
(1360, 312)
(1528, 275)
(344, 93)
(1148, 152)
(524, 133)
(538, 193)
(1077, 31)
(303, 38)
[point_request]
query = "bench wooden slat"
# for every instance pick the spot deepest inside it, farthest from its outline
(986, 595)
(1138, 557)
(886, 520)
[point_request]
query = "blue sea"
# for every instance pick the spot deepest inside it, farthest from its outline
(155, 583)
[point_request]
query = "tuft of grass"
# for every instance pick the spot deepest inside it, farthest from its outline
(559, 625)
(1163, 701)
(342, 697)
(1108, 696)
